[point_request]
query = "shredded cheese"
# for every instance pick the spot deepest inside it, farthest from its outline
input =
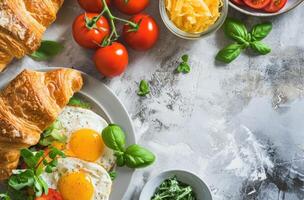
(193, 16)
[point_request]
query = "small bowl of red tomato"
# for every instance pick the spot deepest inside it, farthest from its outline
(264, 8)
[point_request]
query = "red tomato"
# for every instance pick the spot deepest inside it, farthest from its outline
(131, 7)
(275, 6)
(95, 6)
(145, 36)
(238, 2)
(257, 4)
(90, 35)
(52, 195)
(111, 60)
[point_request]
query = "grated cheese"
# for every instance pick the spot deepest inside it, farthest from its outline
(193, 16)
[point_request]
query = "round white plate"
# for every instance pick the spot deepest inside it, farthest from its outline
(291, 4)
(106, 104)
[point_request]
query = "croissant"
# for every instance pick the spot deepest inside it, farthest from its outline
(28, 105)
(22, 24)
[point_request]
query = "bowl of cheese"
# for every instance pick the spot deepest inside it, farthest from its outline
(193, 19)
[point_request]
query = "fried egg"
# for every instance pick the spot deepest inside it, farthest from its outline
(78, 179)
(83, 128)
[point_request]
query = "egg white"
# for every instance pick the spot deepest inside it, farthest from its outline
(98, 175)
(75, 118)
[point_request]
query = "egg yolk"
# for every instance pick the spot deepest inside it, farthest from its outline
(76, 185)
(86, 144)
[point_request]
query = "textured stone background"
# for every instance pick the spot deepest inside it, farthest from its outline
(239, 126)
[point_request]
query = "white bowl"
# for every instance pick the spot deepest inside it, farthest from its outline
(291, 4)
(200, 189)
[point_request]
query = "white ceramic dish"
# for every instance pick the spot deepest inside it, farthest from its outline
(290, 5)
(201, 190)
(106, 104)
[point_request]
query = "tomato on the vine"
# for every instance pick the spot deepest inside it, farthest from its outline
(111, 60)
(90, 29)
(52, 195)
(144, 36)
(92, 5)
(131, 7)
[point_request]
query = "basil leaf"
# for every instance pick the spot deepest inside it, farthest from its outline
(4, 197)
(137, 157)
(22, 179)
(47, 50)
(120, 159)
(185, 58)
(260, 31)
(260, 47)
(74, 101)
(236, 30)
(144, 88)
(229, 53)
(114, 137)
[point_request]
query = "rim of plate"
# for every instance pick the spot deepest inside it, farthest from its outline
(261, 14)
(115, 111)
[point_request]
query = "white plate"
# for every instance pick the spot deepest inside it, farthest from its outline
(106, 104)
(291, 4)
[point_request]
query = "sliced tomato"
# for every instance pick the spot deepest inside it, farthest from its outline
(275, 6)
(257, 4)
(52, 195)
(238, 2)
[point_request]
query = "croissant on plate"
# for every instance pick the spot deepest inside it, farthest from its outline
(28, 105)
(22, 24)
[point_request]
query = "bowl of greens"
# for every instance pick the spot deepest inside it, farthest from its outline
(176, 184)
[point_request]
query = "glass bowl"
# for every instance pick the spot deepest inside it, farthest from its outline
(192, 36)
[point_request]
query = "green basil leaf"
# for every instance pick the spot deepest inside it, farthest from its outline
(229, 53)
(138, 157)
(144, 88)
(120, 159)
(74, 101)
(260, 31)
(4, 197)
(236, 30)
(260, 47)
(114, 137)
(47, 50)
(22, 179)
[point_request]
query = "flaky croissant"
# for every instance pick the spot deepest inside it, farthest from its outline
(22, 24)
(28, 105)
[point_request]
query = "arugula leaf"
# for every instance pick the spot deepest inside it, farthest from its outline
(113, 175)
(260, 31)
(53, 133)
(236, 30)
(74, 101)
(47, 50)
(4, 197)
(260, 47)
(229, 53)
(144, 88)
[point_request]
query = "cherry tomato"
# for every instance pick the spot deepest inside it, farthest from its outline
(275, 6)
(257, 4)
(111, 60)
(238, 2)
(90, 34)
(131, 7)
(52, 195)
(95, 6)
(145, 36)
